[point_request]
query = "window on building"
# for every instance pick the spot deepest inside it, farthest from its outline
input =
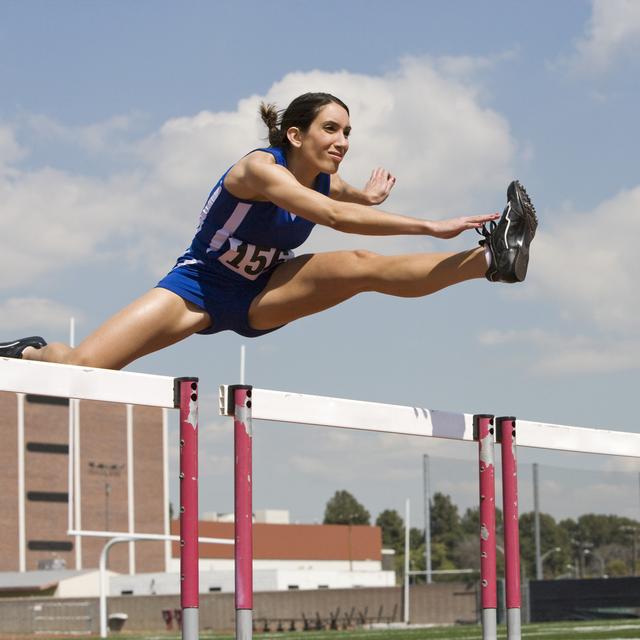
(35, 399)
(49, 545)
(126, 592)
(215, 589)
(47, 447)
(292, 587)
(48, 496)
(323, 586)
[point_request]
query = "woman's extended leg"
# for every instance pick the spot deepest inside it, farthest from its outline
(156, 320)
(312, 283)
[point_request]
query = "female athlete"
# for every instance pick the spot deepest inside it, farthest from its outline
(240, 272)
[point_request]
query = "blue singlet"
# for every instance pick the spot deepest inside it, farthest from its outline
(236, 247)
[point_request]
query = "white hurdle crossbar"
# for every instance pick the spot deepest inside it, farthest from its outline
(123, 387)
(84, 383)
(245, 403)
(299, 408)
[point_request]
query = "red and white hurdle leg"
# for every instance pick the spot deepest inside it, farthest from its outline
(483, 428)
(506, 432)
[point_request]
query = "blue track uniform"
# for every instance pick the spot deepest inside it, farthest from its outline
(232, 256)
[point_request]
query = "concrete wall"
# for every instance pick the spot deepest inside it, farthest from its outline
(436, 603)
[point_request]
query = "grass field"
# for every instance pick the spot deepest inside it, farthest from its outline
(594, 630)
(550, 631)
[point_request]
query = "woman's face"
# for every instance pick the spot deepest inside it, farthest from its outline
(326, 141)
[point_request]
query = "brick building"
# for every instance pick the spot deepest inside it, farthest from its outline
(35, 456)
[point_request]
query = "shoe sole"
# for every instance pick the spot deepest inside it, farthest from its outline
(523, 199)
(521, 262)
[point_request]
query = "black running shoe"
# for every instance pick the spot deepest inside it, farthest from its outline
(15, 348)
(509, 239)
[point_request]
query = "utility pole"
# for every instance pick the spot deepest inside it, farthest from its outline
(536, 515)
(407, 554)
(427, 517)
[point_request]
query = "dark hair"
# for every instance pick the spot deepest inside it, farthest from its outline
(300, 113)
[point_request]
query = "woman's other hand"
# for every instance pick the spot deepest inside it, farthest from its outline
(379, 186)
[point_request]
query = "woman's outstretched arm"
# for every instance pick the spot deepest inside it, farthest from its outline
(278, 185)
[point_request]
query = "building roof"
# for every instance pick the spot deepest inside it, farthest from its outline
(30, 581)
(294, 541)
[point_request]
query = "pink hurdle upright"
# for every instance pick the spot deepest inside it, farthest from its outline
(506, 435)
(483, 432)
(242, 431)
(186, 398)
(238, 403)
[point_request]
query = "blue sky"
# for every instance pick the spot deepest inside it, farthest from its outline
(116, 119)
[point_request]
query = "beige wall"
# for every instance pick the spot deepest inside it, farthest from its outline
(444, 603)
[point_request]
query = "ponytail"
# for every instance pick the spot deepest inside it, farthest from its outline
(270, 116)
(300, 113)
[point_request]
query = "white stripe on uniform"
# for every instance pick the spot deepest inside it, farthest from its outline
(207, 207)
(230, 226)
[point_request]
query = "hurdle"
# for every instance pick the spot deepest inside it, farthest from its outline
(83, 383)
(245, 403)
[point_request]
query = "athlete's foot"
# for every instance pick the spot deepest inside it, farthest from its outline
(16, 348)
(508, 241)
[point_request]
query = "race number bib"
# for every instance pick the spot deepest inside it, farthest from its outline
(249, 260)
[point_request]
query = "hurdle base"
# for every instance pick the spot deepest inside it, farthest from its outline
(244, 624)
(489, 625)
(190, 623)
(513, 624)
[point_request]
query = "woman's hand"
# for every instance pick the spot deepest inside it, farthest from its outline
(455, 226)
(379, 186)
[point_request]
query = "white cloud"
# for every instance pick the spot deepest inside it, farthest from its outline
(613, 31)
(375, 451)
(422, 121)
(469, 66)
(584, 263)
(106, 136)
(10, 150)
(557, 353)
(21, 314)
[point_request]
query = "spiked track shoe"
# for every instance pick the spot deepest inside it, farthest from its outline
(509, 239)
(15, 348)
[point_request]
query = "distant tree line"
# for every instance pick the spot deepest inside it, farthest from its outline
(592, 546)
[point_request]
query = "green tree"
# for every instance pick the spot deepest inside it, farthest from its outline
(392, 527)
(343, 508)
(591, 538)
(470, 521)
(552, 536)
(445, 521)
(416, 538)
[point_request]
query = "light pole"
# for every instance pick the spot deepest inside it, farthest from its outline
(543, 557)
(536, 521)
(581, 549)
(591, 552)
(107, 494)
(570, 572)
(107, 471)
(634, 551)
(427, 517)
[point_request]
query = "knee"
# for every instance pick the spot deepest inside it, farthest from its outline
(79, 358)
(364, 267)
(363, 255)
